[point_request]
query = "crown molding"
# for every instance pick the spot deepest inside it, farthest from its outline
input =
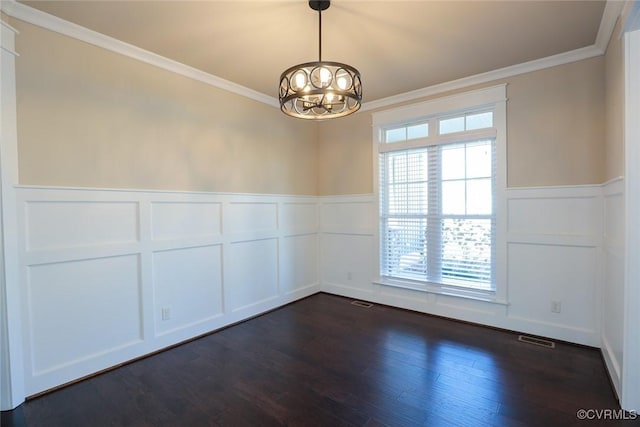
(612, 11)
(58, 25)
(8, 27)
(501, 73)
(7, 37)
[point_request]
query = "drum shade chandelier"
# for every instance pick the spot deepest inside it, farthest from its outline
(320, 90)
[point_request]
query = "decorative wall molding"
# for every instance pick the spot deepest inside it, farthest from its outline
(490, 76)
(630, 395)
(339, 252)
(557, 258)
(107, 275)
(613, 217)
(58, 25)
(11, 369)
(8, 35)
(613, 247)
(44, 20)
(612, 362)
(570, 215)
(206, 260)
(607, 24)
(612, 11)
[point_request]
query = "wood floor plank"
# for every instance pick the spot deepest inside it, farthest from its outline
(324, 362)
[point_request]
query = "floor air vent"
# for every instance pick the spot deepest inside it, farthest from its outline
(536, 341)
(362, 304)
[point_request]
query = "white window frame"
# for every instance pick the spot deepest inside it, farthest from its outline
(490, 98)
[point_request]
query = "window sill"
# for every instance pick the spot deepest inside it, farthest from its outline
(440, 289)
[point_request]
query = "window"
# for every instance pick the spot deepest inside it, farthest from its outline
(436, 213)
(466, 122)
(440, 197)
(406, 132)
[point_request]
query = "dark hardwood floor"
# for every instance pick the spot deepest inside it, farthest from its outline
(324, 362)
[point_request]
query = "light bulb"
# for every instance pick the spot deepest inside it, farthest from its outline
(342, 83)
(325, 76)
(301, 80)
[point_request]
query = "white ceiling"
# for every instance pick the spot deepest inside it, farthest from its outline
(398, 46)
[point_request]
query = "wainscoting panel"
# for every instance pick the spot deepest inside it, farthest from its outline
(253, 269)
(552, 254)
(348, 227)
(298, 262)
(539, 274)
(348, 261)
(299, 217)
(178, 220)
(348, 215)
(568, 211)
(613, 283)
(251, 217)
(94, 302)
(554, 241)
(69, 224)
(111, 275)
(187, 286)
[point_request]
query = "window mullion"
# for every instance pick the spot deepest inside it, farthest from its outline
(434, 237)
(384, 211)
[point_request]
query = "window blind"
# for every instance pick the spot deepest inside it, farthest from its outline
(437, 214)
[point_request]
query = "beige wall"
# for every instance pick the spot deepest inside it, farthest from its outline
(88, 117)
(555, 132)
(91, 118)
(555, 121)
(345, 156)
(614, 82)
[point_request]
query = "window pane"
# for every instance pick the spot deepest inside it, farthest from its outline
(397, 168)
(404, 248)
(453, 198)
(479, 160)
(417, 163)
(397, 199)
(395, 135)
(407, 182)
(453, 161)
(466, 252)
(479, 200)
(418, 198)
(480, 120)
(418, 131)
(455, 124)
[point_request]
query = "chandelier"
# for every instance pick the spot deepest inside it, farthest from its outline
(320, 90)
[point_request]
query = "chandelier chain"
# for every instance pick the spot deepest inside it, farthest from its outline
(319, 35)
